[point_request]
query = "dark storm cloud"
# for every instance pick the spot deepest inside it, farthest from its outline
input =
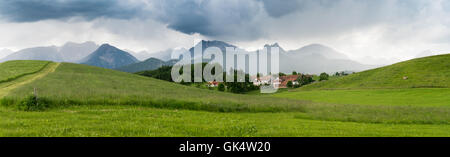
(277, 8)
(210, 18)
(36, 10)
(185, 16)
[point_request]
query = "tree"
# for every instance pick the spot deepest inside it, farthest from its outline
(221, 87)
(289, 84)
(304, 80)
(240, 87)
(294, 73)
(323, 76)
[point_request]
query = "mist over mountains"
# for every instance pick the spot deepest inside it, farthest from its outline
(73, 52)
(5, 52)
(316, 58)
(312, 59)
(69, 52)
(164, 55)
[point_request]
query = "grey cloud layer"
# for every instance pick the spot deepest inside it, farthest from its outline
(36, 10)
(231, 19)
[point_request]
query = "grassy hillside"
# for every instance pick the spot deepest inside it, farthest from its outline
(81, 84)
(431, 71)
(385, 86)
(91, 101)
(13, 69)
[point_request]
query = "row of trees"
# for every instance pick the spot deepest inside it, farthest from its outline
(164, 73)
(305, 79)
(301, 80)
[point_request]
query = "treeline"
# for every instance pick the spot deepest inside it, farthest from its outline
(164, 73)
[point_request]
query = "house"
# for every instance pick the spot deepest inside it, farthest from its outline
(213, 84)
(285, 79)
(265, 80)
(261, 80)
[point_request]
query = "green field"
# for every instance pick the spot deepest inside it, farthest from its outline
(82, 100)
(405, 97)
(122, 120)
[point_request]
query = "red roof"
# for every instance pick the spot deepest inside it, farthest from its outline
(213, 83)
(286, 79)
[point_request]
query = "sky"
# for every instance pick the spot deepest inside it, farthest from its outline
(362, 29)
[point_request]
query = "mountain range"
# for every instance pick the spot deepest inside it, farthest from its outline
(313, 59)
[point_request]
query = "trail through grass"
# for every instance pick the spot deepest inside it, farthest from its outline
(14, 69)
(6, 87)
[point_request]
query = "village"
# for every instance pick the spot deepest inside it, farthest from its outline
(282, 81)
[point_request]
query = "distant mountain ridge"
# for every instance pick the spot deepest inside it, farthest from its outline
(149, 64)
(166, 55)
(110, 57)
(37, 53)
(312, 59)
(318, 49)
(317, 58)
(69, 52)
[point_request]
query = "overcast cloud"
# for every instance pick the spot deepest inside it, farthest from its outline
(359, 28)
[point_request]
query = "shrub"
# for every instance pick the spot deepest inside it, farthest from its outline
(289, 84)
(32, 103)
(323, 76)
(304, 80)
(221, 87)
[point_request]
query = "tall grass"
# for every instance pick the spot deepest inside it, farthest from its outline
(72, 85)
(14, 69)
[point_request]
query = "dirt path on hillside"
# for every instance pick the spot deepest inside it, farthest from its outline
(6, 87)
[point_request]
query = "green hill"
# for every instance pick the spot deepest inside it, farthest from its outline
(428, 72)
(73, 84)
(14, 69)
